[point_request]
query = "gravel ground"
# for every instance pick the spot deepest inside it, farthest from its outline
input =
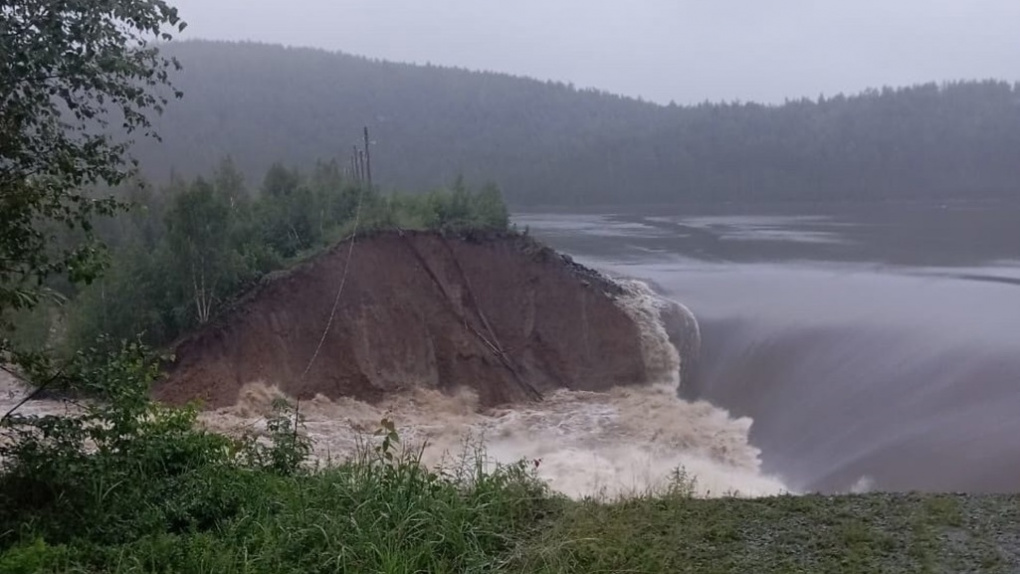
(883, 533)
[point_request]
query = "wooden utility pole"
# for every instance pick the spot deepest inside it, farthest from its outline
(355, 164)
(368, 160)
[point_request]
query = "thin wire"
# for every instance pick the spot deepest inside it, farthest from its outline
(336, 303)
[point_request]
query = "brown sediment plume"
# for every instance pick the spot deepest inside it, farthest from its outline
(623, 442)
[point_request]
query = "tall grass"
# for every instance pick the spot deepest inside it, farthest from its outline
(369, 514)
(127, 485)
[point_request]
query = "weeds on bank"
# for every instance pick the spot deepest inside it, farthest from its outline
(128, 485)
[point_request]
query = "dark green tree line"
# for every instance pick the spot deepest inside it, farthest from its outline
(548, 143)
(955, 141)
(194, 246)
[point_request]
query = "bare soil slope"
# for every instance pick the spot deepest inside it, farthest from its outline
(499, 314)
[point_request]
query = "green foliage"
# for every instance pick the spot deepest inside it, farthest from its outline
(69, 69)
(131, 298)
(31, 329)
(128, 485)
(189, 249)
(203, 265)
(207, 506)
(36, 556)
(119, 467)
(490, 209)
(455, 209)
(288, 212)
(286, 450)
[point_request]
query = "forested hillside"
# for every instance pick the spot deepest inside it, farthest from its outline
(263, 103)
(548, 143)
(954, 141)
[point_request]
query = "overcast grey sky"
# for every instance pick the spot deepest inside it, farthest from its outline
(662, 50)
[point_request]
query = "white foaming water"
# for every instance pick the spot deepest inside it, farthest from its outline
(12, 392)
(627, 441)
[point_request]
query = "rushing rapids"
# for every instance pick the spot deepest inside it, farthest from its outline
(624, 441)
(627, 440)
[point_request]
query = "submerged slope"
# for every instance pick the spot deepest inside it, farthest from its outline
(500, 315)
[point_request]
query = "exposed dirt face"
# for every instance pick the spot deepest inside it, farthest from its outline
(500, 315)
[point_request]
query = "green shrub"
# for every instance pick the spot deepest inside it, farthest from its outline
(33, 557)
(287, 448)
(193, 248)
(121, 467)
(129, 485)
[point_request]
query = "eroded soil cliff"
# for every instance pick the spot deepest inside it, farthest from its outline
(499, 314)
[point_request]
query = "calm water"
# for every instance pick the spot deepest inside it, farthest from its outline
(871, 345)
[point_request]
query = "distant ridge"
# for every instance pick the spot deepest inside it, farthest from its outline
(549, 143)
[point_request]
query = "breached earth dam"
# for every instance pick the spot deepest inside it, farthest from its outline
(455, 354)
(623, 441)
(833, 351)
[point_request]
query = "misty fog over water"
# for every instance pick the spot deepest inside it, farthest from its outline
(874, 346)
